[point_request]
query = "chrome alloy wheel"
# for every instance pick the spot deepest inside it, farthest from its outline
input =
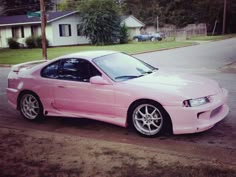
(147, 119)
(30, 106)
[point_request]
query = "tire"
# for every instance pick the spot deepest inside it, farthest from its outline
(153, 39)
(30, 107)
(148, 118)
(136, 39)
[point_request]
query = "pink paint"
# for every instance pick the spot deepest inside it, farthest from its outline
(106, 100)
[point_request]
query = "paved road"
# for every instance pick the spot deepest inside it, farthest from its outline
(202, 59)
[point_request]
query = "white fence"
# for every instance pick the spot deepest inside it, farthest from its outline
(189, 31)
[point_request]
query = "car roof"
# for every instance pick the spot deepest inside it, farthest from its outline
(89, 55)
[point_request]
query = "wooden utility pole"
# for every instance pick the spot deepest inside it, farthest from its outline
(43, 25)
(157, 24)
(224, 16)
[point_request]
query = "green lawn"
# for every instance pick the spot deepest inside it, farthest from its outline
(212, 38)
(14, 56)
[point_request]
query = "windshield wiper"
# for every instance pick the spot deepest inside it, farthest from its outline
(128, 77)
(150, 71)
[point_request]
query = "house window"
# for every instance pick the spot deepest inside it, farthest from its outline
(34, 30)
(22, 31)
(79, 33)
(65, 30)
(18, 32)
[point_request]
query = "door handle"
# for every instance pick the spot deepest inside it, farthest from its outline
(60, 86)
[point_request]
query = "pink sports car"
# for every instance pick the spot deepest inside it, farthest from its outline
(119, 89)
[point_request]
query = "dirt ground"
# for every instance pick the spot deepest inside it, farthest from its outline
(229, 68)
(31, 153)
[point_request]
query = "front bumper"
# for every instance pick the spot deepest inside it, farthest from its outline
(201, 118)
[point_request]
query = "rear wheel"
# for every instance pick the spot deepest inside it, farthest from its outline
(30, 107)
(148, 118)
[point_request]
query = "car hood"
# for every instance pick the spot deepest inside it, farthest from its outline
(186, 85)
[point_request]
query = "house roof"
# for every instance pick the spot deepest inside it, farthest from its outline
(131, 21)
(24, 19)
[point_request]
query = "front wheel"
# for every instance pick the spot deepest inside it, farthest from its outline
(30, 107)
(136, 39)
(153, 39)
(148, 119)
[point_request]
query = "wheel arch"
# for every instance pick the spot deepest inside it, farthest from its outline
(24, 92)
(169, 127)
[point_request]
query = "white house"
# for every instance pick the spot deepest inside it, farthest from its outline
(62, 28)
(133, 25)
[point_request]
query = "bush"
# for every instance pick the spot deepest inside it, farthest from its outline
(13, 44)
(123, 34)
(39, 42)
(30, 42)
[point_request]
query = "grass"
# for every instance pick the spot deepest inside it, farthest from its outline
(212, 38)
(14, 56)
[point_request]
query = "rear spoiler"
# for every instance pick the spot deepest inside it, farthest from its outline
(16, 68)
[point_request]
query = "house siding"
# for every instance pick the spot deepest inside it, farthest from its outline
(57, 40)
(133, 26)
(5, 34)
(27, 33)
(131, 22)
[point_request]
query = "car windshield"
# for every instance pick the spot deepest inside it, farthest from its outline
(120, 67)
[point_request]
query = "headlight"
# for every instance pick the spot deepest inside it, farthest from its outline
(196, 102)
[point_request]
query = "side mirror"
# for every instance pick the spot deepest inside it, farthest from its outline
(98, 80)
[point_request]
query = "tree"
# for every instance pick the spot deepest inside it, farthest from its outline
(69, 4)
(2, 7)
(182, 12)
(21, 7)
(100, 21)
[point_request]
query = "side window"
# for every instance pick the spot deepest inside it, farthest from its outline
(77, 70)
(93, 71)
(51, 71)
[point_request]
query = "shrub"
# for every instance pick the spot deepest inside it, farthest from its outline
(30, 42)
(39, 42)
(13, 44)
(123, 34)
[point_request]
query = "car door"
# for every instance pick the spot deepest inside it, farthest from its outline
(74, 93)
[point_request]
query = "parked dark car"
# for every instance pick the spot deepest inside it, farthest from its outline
(148, 37)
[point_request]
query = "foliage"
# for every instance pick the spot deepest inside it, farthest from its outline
(182, 12)
(35, 42)
(30, 42)
(68, 4)
(38, 41)
(100, 21)
(21, 7)
(13, 44)
(123, 34)
(2, 7)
